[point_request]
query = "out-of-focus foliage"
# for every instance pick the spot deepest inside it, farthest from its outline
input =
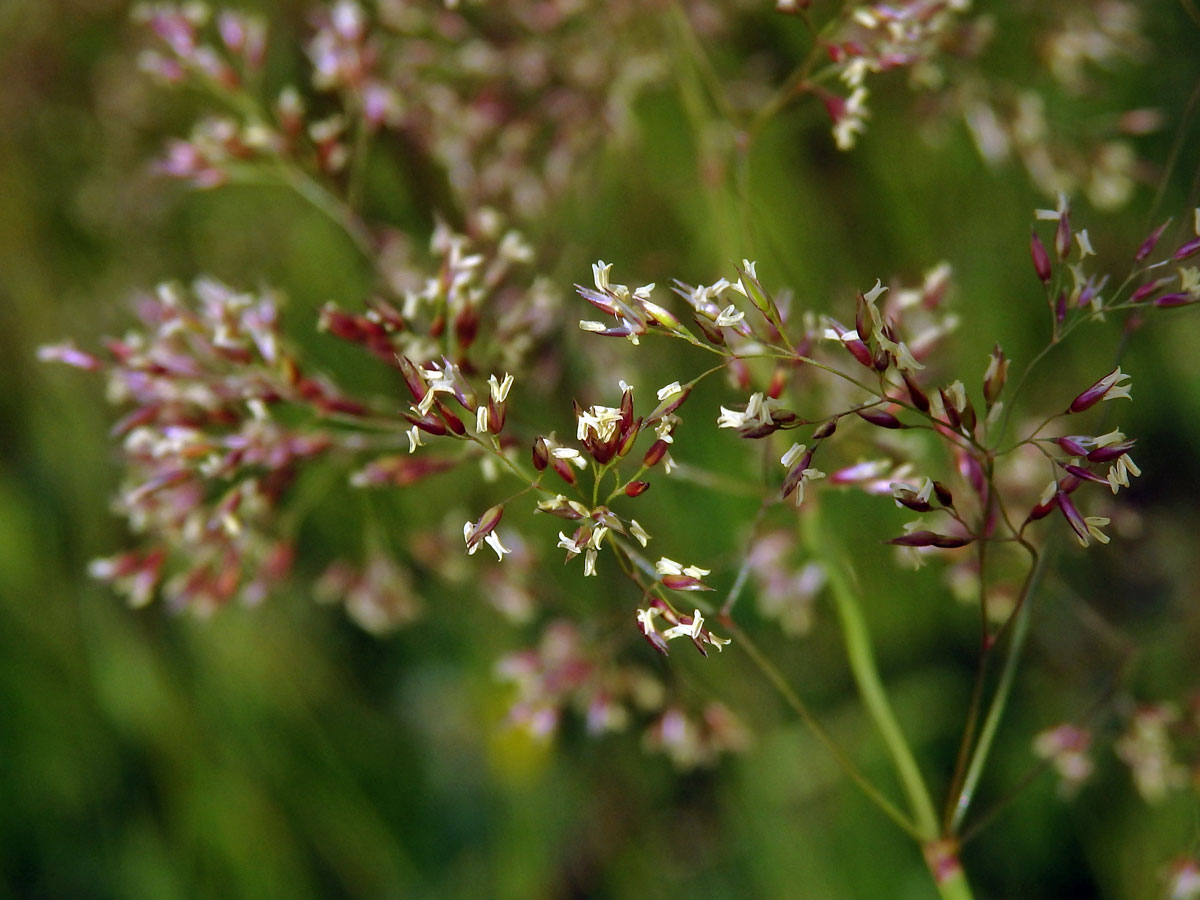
(280, 751)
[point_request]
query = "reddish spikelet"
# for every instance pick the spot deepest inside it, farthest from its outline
(400, 471)
(485, 525)
(1111, 452)
(1062, 236)
(1073, 516)
(943, 495)
(997, 374)
(1167, 301)
(1041, 259)
(1187, 250)
(779, 379)
(825, 429)
(1149, 243)
(541, 455)
(796, 475)
(1085, 474)
(655, 454)
(1072, 445)
(1094, 394)
(908, 498)
(428, 424)
(918, 397)
(880, 417)
(684, 583)
(931, 539)
(563, 469)
(1148, 289)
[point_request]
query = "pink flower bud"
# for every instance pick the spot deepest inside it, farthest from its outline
(1072, 445)
(412, 378)
(930, 539)
(453, 422)
(466, 326)
(1187, 250)
(880, 417)
(428, 424)
(862, 319)
(1148, 244)
(779, 380)
(712, 333)
(496, 415)
(1041, 259)
(1085, 474)
(232, 28)
(824, 430)
(659, 316)
(563, 469)
(399, 471)
(972, 471)
(655, 454)
(636, 488)
(541, 456)
(68, 354)
(629, 437)
(859, 350)
(1111, 452)
(994, 378)
(943, 495)
(684, 583)
(486, 525)
(1167, 301)
(915, 394)
(1062, 236)
(669, 405)
(908, 498)
(1150, 287)
(796, 475)
(1041, 510)
(951, 410)
(1073, 516)
(1107, 387)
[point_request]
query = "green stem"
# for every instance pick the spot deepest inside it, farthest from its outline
(955, 887)
(950, 880)
(801, 709)
(861, 656)
(1000, 699)
(316, 194)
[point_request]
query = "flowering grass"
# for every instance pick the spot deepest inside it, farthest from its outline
(728, 420)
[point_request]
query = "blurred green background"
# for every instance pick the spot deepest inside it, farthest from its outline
(280, 752)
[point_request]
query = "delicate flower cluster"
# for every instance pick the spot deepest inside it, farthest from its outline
(879, 37)
(692, 741)
(1183, 879)
(379, 595)
(1146, 747)
(904, 398)
(207, 458)
(941, 47)
(1066, 748)
(479, 284)
(495, 108)
(226, 49)
(783, 592)
(534, 88)
(562, 673)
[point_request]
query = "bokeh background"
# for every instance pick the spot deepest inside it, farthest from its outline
(282, 752)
